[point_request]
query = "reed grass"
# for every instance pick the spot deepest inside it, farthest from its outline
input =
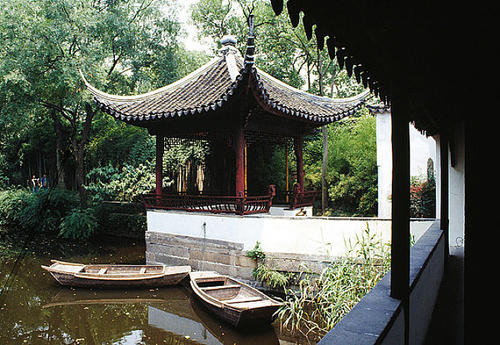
(321, 301)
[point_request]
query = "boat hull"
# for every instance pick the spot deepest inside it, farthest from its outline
(116, 276)
(68, 279)
(251, 317)
(245, 307)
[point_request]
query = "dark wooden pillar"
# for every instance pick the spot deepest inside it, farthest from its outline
(159, 164)
(400, 249)
(239, 147)
(444, 216)
(298, 143)
(400, 232)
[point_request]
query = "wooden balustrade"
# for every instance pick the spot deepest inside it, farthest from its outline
(208, 203)
(302, 199)
(296, 199)
(225, 204)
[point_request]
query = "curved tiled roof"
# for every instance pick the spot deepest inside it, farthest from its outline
(212, 85)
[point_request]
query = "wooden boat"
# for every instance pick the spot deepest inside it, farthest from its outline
(116, 276)
(231, 300)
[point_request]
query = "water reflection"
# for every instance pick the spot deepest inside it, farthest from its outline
(34, 309)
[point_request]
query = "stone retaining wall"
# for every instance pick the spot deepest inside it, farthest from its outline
(224, 257)
(201, 254)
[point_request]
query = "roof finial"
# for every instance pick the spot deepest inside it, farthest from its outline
(228, 40)
(249, 54)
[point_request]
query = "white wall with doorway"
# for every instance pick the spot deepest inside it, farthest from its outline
(422, 148)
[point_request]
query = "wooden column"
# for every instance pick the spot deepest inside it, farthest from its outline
(324, 190)
(444, 224)
(246, 169)
(400, 246)
(298, 143)
(159, 164)
(239, 147)
(287, 187)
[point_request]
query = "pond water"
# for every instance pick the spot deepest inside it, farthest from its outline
(35, 309)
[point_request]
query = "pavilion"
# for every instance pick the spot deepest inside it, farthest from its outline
(231, 102)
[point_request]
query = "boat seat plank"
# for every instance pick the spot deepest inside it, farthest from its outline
(245, 300)
(220, 287)
(252, 304)
(103, 270)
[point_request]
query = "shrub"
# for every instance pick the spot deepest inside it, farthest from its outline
(78, 224)
(422, 198)
(109, 183)
(12, 202)
(41, 211)
(121, 219)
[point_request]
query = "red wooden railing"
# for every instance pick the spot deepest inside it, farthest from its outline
(209, 203)
(225, 204)
(302, 199)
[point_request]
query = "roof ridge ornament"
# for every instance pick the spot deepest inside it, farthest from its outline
(249, 54)
(228, 40)
(228, 46)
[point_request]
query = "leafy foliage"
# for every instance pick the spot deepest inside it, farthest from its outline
(121, 46)
(264, 273)
(109, 183)
(41, 211)
(256, 253)
(270, 277)
(78, 224)
(352, 166)
(423, 197)
(12, 201)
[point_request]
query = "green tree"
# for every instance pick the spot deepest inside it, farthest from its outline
(352, 166)
(122, 46)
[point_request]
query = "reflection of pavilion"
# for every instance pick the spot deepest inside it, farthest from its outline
(232, 105)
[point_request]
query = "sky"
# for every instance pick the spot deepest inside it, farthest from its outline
(191, 41)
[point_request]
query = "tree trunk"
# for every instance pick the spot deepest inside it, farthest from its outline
(79, 151)
(80, 172)
(59, 140)
(324, 131)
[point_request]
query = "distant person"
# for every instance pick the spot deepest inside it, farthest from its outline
(35, 183)
(44, 182)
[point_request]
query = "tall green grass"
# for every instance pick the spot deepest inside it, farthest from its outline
(321, 301)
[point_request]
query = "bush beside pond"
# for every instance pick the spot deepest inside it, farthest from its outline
(57, 212)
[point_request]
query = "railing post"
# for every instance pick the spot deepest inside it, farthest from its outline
(240, 207)
(272, 192)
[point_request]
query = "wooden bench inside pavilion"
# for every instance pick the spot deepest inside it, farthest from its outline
(229, 102)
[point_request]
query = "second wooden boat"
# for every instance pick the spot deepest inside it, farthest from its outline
(231, 300)
(116, 276)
